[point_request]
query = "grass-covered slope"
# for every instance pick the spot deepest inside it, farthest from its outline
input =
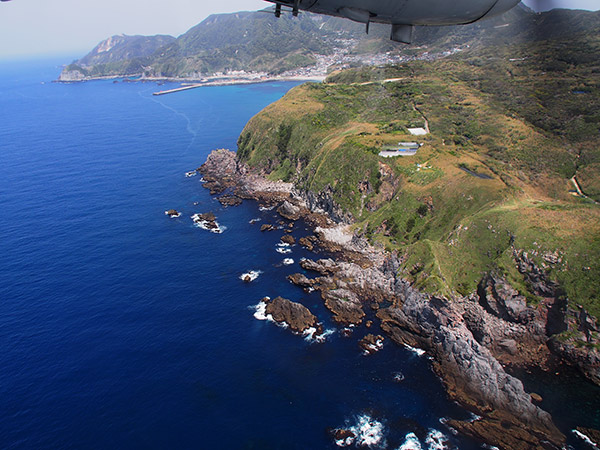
(492, 180)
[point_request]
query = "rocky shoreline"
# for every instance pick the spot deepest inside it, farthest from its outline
(469, 339)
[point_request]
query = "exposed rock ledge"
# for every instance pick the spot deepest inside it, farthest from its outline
(455, 334)
(298, 317)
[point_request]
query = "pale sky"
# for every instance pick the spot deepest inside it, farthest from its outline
(39, 27)
(76, 26)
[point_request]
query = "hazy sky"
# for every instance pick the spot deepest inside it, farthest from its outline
(29, 27)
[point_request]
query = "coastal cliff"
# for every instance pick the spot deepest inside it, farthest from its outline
(473, 249)
(363, 277)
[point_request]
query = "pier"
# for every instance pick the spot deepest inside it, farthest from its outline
(179, 89)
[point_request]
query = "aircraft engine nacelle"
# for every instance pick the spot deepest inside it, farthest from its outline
(404, 14)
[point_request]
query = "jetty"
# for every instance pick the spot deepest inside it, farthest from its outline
(179, 89)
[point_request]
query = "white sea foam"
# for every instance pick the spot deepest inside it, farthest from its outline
(260, 312)
(266, 208)
(584, 438)
(411, 442)
(373, 348)
(283, 250)
(344, 442)
(174, 216)
(398, 377)
(368, 431)
(309, 335)
(436, 440)
(253, 221)
(288, 261)
(204, 224)
(192, 173)
(474, 417)
(250, 275)
(416, 351)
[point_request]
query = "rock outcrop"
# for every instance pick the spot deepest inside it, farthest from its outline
(298, 317)
(471, 374)
(467, 338)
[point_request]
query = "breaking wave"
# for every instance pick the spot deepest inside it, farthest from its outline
(250, 275)
(367, 432)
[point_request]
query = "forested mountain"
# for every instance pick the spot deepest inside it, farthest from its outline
(258, 42)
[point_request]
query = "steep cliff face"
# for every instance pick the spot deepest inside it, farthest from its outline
(116, 56)
(481, 212)
(469, 339)
(121, 48)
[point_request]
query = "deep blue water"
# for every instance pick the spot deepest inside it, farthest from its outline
(122, 328)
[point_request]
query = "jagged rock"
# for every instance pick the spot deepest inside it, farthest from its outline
(289, 211)
(208, 217)
(172, 213)
(344, 305)
(219, 163)
(502, 300)
(301, 280)
(215, 187)
(322, 266)
(323, 202)
(535, 276)
(587, 324)
(344, 436)
(230, 200)
(297, 316)
(208, 220)
(476, 324)
(470, 372)
(267, 227)
(509, 345)
(307, 243)
(536, 397)
(371, 343)
(587, 360)
(369, 324)
(288, 239)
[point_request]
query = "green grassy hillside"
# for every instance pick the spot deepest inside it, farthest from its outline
(492, 179)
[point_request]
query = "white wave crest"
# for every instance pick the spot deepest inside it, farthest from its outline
(260, 312)
(204, 225)
(288, 261)
(250, 275)
(253, 221)
(309, 335)
(436, 440)
(283, 250)
(411, 442)
(368, 431)
(416, 351)
(584, 438)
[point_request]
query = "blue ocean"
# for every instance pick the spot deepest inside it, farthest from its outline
(123, 328)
